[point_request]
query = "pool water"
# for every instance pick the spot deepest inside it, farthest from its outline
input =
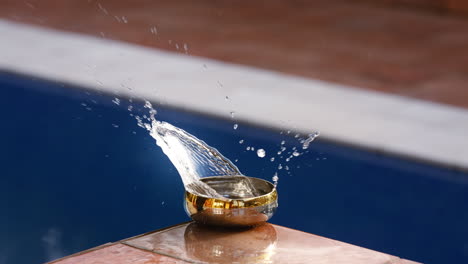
(77, 172)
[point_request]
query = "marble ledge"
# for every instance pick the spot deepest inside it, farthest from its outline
(192, 243)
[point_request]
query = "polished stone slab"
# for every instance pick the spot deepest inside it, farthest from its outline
(263, 244)
(118, 254)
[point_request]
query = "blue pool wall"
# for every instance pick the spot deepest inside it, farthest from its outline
(70, 180)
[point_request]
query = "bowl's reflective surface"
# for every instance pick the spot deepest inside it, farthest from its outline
(237, 210)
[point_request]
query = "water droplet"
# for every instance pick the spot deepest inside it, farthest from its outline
(116, 101)
(115, 125)
(272, 159)
(177, 46)
(130, 108)
(30, 5)
(288, 159)
(280, 167)
(282, 142)
(241, 141)
(248, 148)
(103, 9)
(185, 47)
(236, 160)
(152, 111)
(296, 136)
(261, 153)
(148, 105)
(252, 148)
(311, 138)
(278, 153)
(162, 203)
(275, 178)
(286, 168)
(232, 114)
(235, 126)
(140, 122)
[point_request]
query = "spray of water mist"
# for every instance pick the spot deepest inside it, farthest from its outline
(192, 157)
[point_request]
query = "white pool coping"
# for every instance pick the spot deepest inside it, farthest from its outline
(383, 122)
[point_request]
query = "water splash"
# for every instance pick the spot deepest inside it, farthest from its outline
(193, 158)
(286, 154)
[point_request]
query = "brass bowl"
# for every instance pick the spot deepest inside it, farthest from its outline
(238, 209)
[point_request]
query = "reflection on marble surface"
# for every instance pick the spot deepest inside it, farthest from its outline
(262, 244)
(222, 245)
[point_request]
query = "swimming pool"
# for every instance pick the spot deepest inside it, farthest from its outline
(77, 172)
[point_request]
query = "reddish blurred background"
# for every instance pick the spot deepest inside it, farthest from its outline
(414, 48)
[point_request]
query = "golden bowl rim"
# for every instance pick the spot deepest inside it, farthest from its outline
(273, 191)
